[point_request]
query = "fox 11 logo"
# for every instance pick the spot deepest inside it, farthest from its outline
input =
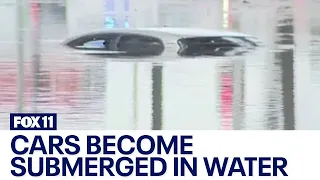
(33, 121)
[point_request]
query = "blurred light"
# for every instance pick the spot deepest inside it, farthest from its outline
(126, 23)
(35, 12)
(110, 22)
(225, 10)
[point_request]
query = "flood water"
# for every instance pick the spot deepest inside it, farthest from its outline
(275, 87)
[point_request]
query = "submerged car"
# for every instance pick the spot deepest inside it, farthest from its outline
(169, 42)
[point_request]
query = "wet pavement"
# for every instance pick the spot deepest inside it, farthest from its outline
(275, 87)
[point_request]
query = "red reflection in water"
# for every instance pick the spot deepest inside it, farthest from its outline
(226, 101)
(67, 83)
(9, 87)
(61, 86)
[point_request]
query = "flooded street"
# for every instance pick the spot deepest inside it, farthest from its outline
(275, 87)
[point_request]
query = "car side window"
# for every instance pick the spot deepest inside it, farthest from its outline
(140, 45)
(94, 42)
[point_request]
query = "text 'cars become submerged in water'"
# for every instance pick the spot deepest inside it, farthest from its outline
(163, 42)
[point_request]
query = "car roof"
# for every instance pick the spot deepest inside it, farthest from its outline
(193, 31)
(171, 31)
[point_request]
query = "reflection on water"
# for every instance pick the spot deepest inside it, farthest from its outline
(276, 87)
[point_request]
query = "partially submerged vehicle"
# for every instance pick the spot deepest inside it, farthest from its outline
(162, 42)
